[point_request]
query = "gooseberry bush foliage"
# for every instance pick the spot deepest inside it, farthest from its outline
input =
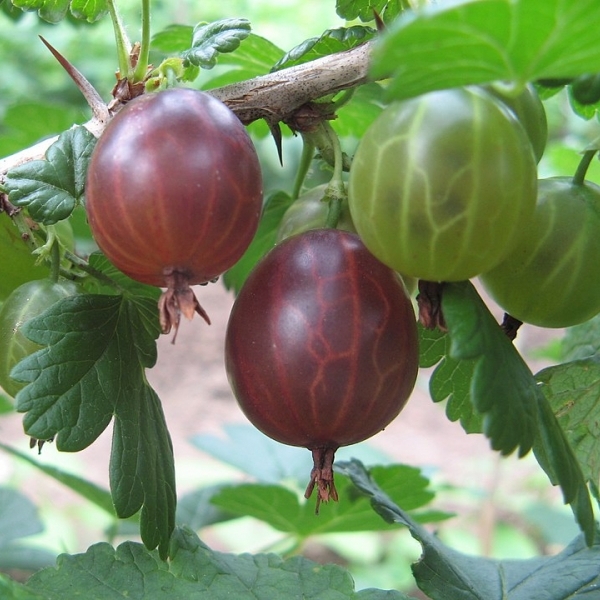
(429, 95)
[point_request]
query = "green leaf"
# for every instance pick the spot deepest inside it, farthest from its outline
(6, 404)
(65, 399)
(93, 366)
(142, 470)
(51, 188)
(356, 116)
(433, 346)
(331, 41)
(573, 391)
(24, 557)
(450, 380)
(255, 57)
(264, 240)
(13, 13)
(445, 574)
(90, 10)
(582, 341)
(18, 516)
(364, 10)
(173, 39)
(88, 490)
(255, 454)
(281, 508)
(120, 282)
(195, 573)
(195, 509)
(478, 41)
(54, 11)
(503, 389)
(12, 590)
(210, 39)
(19, 519)
(27, 121)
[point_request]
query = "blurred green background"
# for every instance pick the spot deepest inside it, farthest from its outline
(37, 99)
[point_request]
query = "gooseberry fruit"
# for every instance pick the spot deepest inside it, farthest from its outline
(309, 211)
(174, 194)
(442, 186)
(529, 110)
(550, 278)
(26, 302)
(321, 347)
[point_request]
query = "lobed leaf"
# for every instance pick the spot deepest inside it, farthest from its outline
(331, 41)
(573, 391)
(195, 573)
(117, 282)
(502, 387)
(365, 10)
(13, 590)
(211, 39)
(27, 558)
(142, 470)
(54, 11)
(90, 10)
(477, 41)
(255, 57)
(97, 348)
(451, 379)
(281, 508)
(581, 341)
(432, 346)
(503, 390)
(13, 13)
(51, 188)
(446, 574)
(172, 39)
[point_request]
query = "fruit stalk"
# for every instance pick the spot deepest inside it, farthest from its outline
(582, 167)
(121, 40)
(142, 64)
(321, 476)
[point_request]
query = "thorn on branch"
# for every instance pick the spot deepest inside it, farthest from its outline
(381, 27)
(92, 97)
(275, 130)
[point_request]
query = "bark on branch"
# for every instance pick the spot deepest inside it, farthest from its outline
(274, 97)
